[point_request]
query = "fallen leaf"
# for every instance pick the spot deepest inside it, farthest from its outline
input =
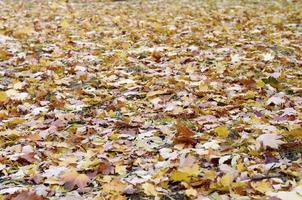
(186, 173)
(121, 170)
(191, 192)
(3, 96)
(184, 135)
(116, 186)
(149, 189)
(73, 178)
(222, 131)
(295, 194)
(262, 186)
(268, 57)
(28, 196)
(269, 140)
(226, 180)
(295, 133)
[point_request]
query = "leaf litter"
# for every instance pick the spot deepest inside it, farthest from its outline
(150, 99)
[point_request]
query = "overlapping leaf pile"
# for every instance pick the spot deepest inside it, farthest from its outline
(150, 99)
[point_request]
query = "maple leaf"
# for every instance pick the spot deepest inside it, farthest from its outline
(185, 173)
(73, 178)
(184, 135)
(269, 140)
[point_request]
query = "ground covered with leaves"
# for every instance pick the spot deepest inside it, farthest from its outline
(167, 100)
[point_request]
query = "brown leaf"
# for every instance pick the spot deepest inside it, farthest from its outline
(27, 158)
(73, 178)
(123, 124)
(184, 135)
(33, 137)
(28, 196)
(105, 168)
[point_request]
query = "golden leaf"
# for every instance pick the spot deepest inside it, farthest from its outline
(3, 96)
(226, 180)
(262, 186)
(222, 131)
(149, 189)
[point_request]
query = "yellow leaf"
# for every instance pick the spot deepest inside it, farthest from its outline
(192, 171)
(295, 133)
(3, 114)
(209, 174)
(98, 198)
(222, 131)
(111, 113)
(250, 94)
(3, 96)
(116, 186)
(260, 84)
(240, 167)
(149, 189)
(185, 174)
(191, 192)
(18, 85)
(180, 176)
(226, 180)
(262, 186)
(15, 121)
(4, 55)
(121, 169)
(64, 24)
(203, 87)
(23, 32)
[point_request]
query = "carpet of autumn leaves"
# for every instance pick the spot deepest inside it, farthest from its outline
(159, 99)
